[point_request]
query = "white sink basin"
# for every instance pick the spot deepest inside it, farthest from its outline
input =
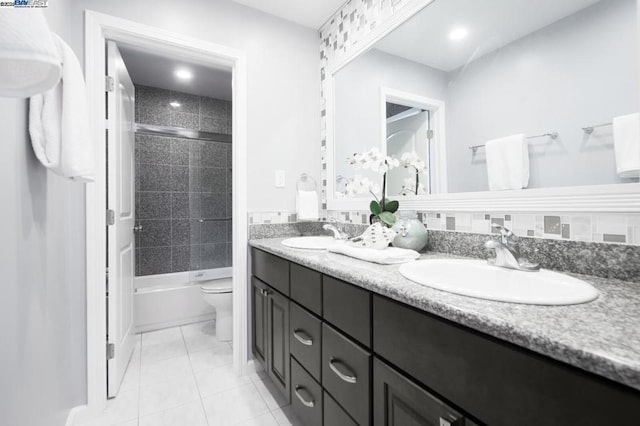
(476, 278)
(309, 243)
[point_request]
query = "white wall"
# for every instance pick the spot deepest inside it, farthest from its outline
(283, 81)
(42, 308)
(577, 72)
(357, 100)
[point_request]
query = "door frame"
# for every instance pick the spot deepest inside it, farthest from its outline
(98, 28)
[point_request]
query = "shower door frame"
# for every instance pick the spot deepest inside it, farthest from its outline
(99, 28)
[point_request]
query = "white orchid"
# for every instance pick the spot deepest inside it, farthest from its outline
(411, 159)
(373, 160)
(409, 187)
(360, 185)
(377, 162)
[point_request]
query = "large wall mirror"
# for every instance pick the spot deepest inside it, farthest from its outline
(461, 83)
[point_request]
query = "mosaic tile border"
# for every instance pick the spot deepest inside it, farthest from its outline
(600, 228)
(349, 26)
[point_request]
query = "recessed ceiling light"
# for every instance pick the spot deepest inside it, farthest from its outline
(175, 104)
(183, 74)
(458, 33)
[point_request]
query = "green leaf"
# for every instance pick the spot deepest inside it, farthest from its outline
(387, 217)
(375, 207)
(391, 206)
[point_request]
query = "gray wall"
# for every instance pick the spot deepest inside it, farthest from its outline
(577, 72)
(42, 308)
(179, 181)
(357, 101)
(283, 79)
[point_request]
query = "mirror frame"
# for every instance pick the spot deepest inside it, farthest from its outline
(613, 198)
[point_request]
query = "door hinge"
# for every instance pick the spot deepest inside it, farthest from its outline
(111, 217)
(429, 134)
(109, 83)
(111, 351)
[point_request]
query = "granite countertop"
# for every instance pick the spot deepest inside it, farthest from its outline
(602, 337)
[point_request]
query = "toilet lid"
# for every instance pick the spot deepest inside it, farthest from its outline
(217, 287)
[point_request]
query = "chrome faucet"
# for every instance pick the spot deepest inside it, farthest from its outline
(508, 251)
(337, 234)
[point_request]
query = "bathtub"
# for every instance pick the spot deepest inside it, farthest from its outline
(169, 300)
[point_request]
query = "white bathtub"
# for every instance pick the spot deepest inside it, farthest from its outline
(169, 300)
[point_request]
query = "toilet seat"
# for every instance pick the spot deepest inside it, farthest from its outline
(216, 288)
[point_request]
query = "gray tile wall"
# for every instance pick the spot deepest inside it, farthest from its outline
(183, 187)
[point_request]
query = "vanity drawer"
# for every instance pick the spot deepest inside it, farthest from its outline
(495, 381)
(348, 308)
(271, 269)
(306, 396)
(334, 415)
(306, 288)
(305, 339)
(346, 370)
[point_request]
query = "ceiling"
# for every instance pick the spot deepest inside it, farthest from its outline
(308, 13)
(152, 69)
(491, 24)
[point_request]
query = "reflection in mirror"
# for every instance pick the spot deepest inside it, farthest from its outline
(535, 87)
(407, 138)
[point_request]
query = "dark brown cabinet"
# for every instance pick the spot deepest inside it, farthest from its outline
(346, 356)
(398, 401)
(259, 319)
(270, 329)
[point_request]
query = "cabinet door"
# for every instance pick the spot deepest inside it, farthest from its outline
(259, 319)
(278, 363)
(398, 401)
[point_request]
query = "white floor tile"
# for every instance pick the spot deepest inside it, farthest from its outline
(131, 377)
(200, 342)
(129, 423)
(234, 406)
(211, 358)
(198, 328)
(266, 419)
(219, 379)
(161, 336)
(161, 396)
(271, 395)
(171, 369)
(122, 408)
(162, 351)
(286, 417)
(190, 414)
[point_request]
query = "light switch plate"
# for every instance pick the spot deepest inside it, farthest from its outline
(280, 178)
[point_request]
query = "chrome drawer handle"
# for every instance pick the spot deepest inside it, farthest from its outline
(302, 337)
(347, 377)
(307, 402)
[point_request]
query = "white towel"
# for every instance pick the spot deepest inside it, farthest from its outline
(626, 143)
(508, 162)
(388, 256)
(58, 122)
(307, 205)
(28, 60)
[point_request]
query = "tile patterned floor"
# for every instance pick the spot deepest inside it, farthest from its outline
(183, 376)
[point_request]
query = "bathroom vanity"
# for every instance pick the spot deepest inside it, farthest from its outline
(348, 342)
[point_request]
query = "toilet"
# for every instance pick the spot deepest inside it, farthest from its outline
(218, 293)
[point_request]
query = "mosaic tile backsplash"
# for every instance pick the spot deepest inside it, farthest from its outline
(342, 33)
(183, 186)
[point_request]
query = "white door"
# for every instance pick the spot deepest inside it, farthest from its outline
(120, 199)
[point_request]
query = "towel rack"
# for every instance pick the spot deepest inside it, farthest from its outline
(552, 135)
(589, 129)
(306, 183)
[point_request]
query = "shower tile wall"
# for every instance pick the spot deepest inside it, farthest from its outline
(183, 186)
